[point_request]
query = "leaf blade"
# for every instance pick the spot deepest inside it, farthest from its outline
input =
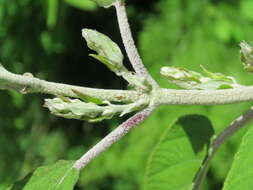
(241, 172)
(82, 4)
(58, 176)
(179, 154)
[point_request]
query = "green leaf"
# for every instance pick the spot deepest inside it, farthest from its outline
(87, 98)
(109, 52)
(104, 3)
(246, 7)
(179, 154)
(240, 175)
(52, 13)
(85, 5)
(223, 29)
(59, 176)
(134, 107)
(217, 76)
(107, 63)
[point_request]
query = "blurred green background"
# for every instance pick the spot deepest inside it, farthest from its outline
(44, 38)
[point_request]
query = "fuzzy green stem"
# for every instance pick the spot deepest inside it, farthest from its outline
(27, 84)
(203, 97)
(113, 137)
(129, 44)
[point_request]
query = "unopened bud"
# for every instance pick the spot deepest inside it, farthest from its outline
(108, 52)
(187, 79)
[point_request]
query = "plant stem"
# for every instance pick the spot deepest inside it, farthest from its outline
(129, 44)
(203, 97)
(235, 126)
(27, 84)
(113, 137)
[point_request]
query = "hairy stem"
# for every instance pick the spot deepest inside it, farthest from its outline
(113, 137)
(203, 97)
(28, 84)
(129, 44)
(236, 125)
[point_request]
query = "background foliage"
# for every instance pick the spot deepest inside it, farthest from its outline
(44, 38)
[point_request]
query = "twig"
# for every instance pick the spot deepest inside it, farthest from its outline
(236, 125)
(113, 137)
(28, 84)
(203, 97)
(129, 44)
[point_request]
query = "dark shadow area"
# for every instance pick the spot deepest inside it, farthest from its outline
(199, 130)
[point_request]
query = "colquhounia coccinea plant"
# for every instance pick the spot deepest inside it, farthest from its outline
(95, 105)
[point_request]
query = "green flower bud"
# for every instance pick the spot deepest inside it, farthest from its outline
(108, 52)
(73, 108)
(76, 109)
(192, 80)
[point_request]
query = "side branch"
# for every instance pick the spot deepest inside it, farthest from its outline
(235, 126)
(129, 44)
(113, 137)
(28, 84)
(203, 97)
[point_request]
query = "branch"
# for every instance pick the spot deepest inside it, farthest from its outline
(129, 44)
(113, 137)
(235, 126)
(203, 97)
(28, 84)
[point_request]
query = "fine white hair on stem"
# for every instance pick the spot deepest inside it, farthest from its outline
(112, 137)
(129, 44)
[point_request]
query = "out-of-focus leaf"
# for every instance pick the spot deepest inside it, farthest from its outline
(223, 29)
(179, 154)
(59, 176)
(86, 5)
(49, 44)
(48, 146)
(246, 7)
(105, 3)
(240, 175)
(17, 98)
(52, 13)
